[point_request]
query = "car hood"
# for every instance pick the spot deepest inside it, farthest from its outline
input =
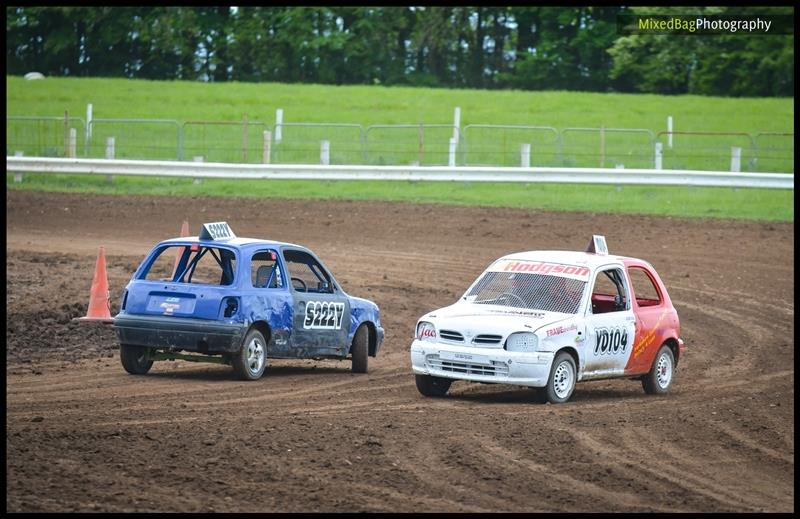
(472, 320)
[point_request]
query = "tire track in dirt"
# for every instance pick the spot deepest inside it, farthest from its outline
(427, 465)
(545, 474)
(698, 477)
(310, 436)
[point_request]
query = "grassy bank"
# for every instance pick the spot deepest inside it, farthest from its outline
(370, 105)
(755, 204)
(378, 105)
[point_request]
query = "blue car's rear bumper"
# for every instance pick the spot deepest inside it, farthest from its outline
(154, 331)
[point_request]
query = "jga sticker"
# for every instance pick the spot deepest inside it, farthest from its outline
(323, 315)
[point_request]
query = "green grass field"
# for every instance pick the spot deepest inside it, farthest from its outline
(378, 105)
(701, 202)
(370, 105)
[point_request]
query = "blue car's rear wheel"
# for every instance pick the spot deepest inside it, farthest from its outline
(135, 359)
(251, 360)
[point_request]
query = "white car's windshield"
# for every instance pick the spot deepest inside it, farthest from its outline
(524, 290)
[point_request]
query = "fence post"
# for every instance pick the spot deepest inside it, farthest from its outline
(244, 140)
(110, 148)
(179, 130)
(278, 123)
(88, 131)
(325, 153)
(267, 144)
(659, 155)
(525, 155)
(18, 176)
(602, 146)
(73, 141)
(88, 121)
(451, 153)
(736, 159)
(110, 155)
(669, 131)
(456, 122)
(198, 158)
(66, 133)
(421, 150)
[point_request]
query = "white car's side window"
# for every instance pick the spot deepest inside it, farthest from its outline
(609, 293)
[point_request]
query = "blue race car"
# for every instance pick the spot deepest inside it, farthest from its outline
(240, 301)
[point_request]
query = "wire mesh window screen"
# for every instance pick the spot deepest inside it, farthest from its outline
(533, 291)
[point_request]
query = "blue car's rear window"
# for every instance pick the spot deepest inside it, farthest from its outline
(196, 264)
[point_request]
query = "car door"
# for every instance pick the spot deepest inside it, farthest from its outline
(321, 309)
(269, 299)
(651, 311)
(610, 324)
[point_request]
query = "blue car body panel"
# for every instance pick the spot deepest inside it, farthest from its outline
(191, 316)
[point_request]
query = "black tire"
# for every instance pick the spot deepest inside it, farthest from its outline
(539, 395)
(134, 359)
(659, 379)
(563, 376)
(360, 349)
(433, 386)
(250, 361)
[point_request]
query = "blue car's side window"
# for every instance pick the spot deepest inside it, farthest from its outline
(265, 272)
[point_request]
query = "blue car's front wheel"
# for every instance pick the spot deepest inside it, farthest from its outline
(360, 349)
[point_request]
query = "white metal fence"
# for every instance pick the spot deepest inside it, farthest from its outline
(398, 144)
(21, 165)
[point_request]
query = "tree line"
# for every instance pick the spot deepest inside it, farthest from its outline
(521, 47)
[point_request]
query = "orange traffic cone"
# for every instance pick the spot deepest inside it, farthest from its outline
(99, 303)
(184, 232)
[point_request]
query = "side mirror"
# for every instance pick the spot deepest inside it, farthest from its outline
(324, 286)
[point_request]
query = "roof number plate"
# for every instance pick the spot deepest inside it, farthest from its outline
(216, 231)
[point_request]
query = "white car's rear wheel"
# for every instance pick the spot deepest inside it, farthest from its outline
(659, 379)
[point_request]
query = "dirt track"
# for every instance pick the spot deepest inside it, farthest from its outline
(82, 435)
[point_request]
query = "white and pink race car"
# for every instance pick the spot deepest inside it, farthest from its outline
(549, 319)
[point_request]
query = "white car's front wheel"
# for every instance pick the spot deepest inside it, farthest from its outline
(563, 377)
(432, 386)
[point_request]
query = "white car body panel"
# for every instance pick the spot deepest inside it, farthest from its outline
(596, 340)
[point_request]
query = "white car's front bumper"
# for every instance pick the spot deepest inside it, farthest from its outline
(481, 364)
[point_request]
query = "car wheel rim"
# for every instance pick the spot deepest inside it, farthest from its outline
(255, 356)
(664, 371)
(563, 379)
